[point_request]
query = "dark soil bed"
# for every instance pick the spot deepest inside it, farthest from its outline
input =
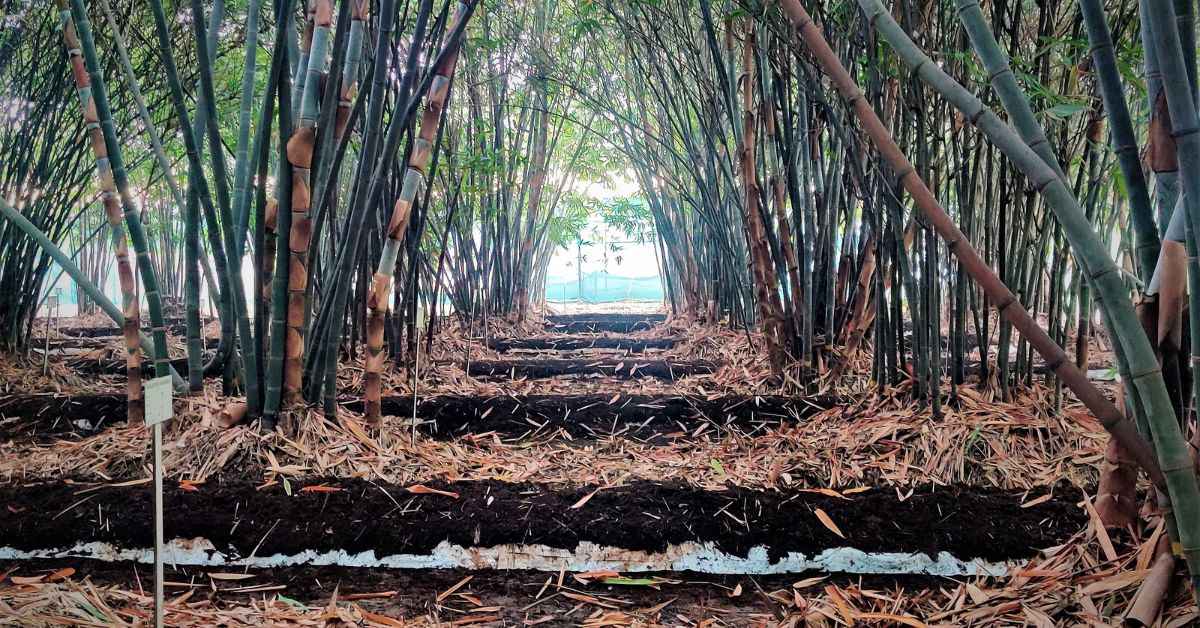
(100, 342)
(619, 317)
(52, 416)
(242, 519)
(624, 369)
(175, 328)
(643, 417)
(49, 417)
(113, 366)
(585, 326)
(568, 343)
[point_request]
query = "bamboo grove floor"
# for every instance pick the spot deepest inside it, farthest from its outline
(612, 426)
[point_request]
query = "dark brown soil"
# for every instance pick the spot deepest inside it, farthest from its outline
(116, 366)
(594, 326)
(414, 592)
(177, 328)
(624, 369)
(241, 519)
(642, 417)
(577, 343)
(52, 416)
(619, 317)
(647, 418)
(100, 342)
(592, 323)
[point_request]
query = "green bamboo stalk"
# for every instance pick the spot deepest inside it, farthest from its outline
(1123, 138)
(133, 220)
(277, 339)
(1179, 75)
(1145, 377)
(241, 176)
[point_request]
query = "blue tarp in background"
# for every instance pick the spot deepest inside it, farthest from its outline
(602, 287)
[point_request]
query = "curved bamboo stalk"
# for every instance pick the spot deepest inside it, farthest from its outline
(1145, 376)
(378, 300)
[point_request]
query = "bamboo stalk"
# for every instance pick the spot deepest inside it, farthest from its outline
(112, 212)
(414, 179)
(300, 156)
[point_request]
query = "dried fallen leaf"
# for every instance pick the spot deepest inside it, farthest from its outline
(1039, 500)
(383, 620)
(61, 574)
(448, 592)
(808, 582)
(828, 492)
(827, 522)
(421, 489)
(230, 576)
(320, 488)
(583, 500)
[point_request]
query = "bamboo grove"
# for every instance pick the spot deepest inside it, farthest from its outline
(927, 195)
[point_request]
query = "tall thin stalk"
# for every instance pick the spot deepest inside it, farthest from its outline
(378, 300)
(112, 211)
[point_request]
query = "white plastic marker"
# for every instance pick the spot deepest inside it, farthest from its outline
(157, 397)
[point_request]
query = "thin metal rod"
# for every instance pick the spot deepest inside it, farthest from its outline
(158, 526)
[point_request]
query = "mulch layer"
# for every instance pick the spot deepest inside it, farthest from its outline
(509, 596)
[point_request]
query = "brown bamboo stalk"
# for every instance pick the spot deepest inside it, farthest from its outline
(300, 149)
(381, 284)
(1154, 589)
(763, 272)
(856, 324)
(113, 213)
(795, 289)
(1005, 301)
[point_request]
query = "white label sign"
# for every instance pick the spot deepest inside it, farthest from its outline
(157, 397)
